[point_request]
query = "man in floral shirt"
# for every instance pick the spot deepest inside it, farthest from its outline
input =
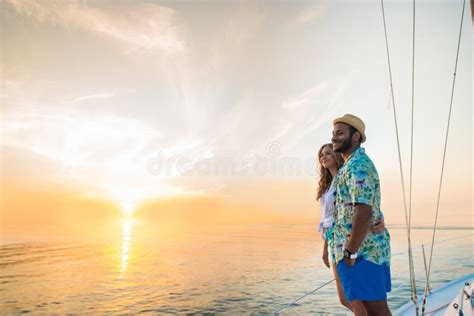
(363, 257)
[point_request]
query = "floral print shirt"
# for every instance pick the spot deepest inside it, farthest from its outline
(357, 182)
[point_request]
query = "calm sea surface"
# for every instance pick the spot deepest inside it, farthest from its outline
(232, 270)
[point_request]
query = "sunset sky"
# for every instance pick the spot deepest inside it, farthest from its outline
(120, 107)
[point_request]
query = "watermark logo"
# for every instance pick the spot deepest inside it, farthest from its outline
(273, 149)
(272, 164)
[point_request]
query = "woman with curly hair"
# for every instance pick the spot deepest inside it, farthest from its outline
(329, 164)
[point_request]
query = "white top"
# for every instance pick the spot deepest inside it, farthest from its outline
(327, 209)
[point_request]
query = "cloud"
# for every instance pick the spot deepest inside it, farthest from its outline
(103, 95)
(107, 153)
(108, 148)
(144, 27)
(231, 41)
(305, 97)
(69, 135)
(311, 14)
(307, 111)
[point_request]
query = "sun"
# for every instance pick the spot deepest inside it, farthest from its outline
(127, 199)
(128, 207)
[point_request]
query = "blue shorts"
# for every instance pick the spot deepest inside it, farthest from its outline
(364, 281)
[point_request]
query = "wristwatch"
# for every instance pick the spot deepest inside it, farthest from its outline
(349, 255)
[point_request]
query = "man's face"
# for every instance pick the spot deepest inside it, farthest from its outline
(341, 138)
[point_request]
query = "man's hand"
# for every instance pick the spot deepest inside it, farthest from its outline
(349, 262)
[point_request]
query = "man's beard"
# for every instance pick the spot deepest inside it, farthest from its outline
(345, 146)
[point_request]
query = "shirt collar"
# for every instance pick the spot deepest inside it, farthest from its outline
(357, 152)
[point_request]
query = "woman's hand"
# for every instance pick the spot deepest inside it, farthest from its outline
(325, 254)
(379, 226)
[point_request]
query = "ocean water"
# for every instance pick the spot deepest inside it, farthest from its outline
(255, 269)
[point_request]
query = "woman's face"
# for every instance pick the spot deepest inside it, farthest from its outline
(327, 159)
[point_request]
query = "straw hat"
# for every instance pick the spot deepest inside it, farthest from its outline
(353, 121)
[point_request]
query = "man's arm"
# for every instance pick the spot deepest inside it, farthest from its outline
(360, 226)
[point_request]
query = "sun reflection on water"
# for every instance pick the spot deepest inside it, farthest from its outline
(126, 241)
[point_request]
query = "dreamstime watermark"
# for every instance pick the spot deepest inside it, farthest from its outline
(270, 164)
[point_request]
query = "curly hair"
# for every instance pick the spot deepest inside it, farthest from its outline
(325, 177)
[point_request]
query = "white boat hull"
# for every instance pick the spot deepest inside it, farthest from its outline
(441, 300)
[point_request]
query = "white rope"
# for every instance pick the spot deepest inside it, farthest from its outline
(412, 267)
(412, 120)
(407, 221)
(444, 159)
(438, 242)
(300, 298)
(390, 100)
